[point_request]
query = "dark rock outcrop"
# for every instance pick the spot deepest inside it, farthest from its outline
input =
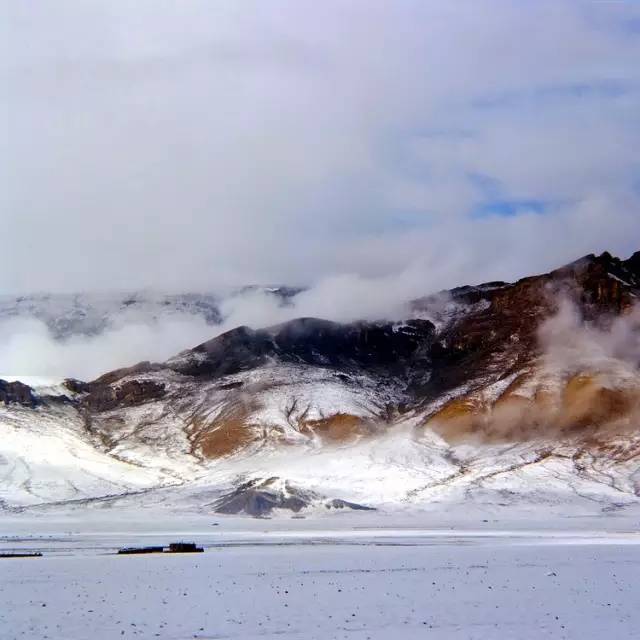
(17, 393)
(379, 347)
(260, 497)
(104, 397)
(337, 503)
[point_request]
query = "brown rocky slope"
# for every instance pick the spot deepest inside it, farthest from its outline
(473, 363)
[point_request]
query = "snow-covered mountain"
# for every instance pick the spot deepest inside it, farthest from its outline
(503, 395)
(89, 314)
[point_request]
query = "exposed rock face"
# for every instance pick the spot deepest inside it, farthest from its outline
(583, 405)
(632, 266)
(500, 337)
(314, 342)
(17, 393)
(260, 498)
(340, 427)
(337, 503)
(128, 394)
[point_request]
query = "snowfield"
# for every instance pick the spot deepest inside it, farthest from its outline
(293, 579)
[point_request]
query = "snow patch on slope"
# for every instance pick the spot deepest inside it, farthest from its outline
(44, 458)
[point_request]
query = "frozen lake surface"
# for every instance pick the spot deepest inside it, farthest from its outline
(294, 579)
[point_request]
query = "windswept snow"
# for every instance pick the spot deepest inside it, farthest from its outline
(396, 471)
(318, 585)
(46, 458)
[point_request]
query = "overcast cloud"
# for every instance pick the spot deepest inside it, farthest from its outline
(193, 145)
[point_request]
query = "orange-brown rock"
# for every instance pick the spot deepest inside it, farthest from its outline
(340, 427)
(221, 436)
(582, 406)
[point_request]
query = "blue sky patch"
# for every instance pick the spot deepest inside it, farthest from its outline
(509, 208)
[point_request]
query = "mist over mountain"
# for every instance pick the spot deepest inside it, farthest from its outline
(81, 335)
(484, 389)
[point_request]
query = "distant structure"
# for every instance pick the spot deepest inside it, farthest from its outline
(174, 547)
(184, 547)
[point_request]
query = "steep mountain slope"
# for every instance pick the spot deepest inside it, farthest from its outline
(500, 393)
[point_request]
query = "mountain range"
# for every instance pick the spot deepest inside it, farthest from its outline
(501, 395)
(89, 314)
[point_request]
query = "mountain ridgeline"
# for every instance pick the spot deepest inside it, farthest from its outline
(549, 362)
(487, 334)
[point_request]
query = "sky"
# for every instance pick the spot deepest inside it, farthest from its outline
(354, 146)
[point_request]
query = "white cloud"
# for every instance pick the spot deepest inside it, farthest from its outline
(28, 348)
(570, 344)
(190, 145)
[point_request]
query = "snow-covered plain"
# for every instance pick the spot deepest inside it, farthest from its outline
(354, 576)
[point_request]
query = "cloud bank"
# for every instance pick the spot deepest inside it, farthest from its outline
(348, 145)
(29, 349)
(570, 344)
